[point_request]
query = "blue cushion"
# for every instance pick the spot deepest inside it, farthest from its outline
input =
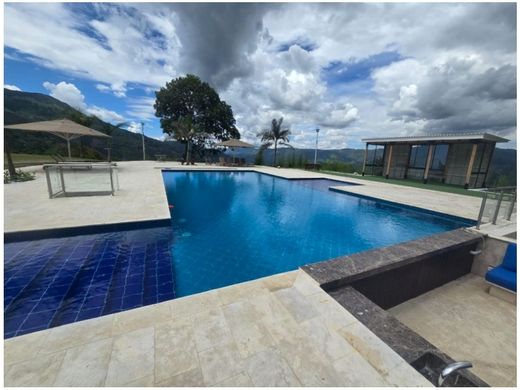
(502, 277)
(510, 258)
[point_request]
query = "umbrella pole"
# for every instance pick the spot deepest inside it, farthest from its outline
(68, 147)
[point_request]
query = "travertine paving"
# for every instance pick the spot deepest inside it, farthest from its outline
(277, 331)
(467, 323)
(142, 197)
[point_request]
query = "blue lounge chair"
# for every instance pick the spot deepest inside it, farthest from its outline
(505, 274)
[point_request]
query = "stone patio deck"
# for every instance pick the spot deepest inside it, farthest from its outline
(467, 323)
(142, 198)
(277, 331)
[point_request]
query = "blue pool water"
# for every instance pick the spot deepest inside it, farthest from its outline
(230, 227)
(53, 282)
(227, 227)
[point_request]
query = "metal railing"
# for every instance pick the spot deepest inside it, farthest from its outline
(499, 202)
(81, 179)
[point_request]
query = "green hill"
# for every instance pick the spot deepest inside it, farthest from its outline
(22, 107)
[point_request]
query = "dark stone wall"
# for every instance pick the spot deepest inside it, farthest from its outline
(390, 288)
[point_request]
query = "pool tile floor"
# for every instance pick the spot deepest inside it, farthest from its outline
(282, 330)
(53, 282)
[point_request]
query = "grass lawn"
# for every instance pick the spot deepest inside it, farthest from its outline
(413, 183)
(25, 159)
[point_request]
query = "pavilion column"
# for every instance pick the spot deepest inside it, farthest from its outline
(428, 164)
(470, 165)
(445, 171)
(389, 161)
(365, 160)
(405, 176)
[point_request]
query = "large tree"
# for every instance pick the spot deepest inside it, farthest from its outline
(191, 99)
(275, 136)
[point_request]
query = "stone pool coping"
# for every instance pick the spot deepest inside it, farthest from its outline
(344, 270)
(336, 276)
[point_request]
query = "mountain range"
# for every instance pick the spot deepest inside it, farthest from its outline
(20, 107)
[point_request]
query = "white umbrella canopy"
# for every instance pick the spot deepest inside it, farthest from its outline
(63, 128)
(235, 143)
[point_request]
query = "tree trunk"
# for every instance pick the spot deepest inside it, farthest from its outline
(275, 150)
(10, 165)
(185, 154)
(188, 152)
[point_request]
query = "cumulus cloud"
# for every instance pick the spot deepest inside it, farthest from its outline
(67, 93)
(351, 69)
(105, 114)
(218, 39)
(141, 108)
(111, 46)
(134, 127)
(70, 94)
(12, 87)
(458, 96)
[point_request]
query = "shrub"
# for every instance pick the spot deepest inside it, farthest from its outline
(18, 176)
(337, 166)
(259, 158)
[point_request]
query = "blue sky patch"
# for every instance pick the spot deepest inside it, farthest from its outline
(304, 43)
(338, 72)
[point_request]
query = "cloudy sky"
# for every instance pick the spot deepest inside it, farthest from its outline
(353, 70)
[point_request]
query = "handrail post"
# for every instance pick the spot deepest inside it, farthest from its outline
(60, 170)
(511, 206)
(481, 212)
(497, 209)
(49, 186)
(111, 179)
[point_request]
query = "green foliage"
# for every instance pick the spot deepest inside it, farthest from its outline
(302, 160)
(259, 158)
(293, 159)
(275, 136)
(190, 97)
(337, 166)
(502, 181)
(18, 176)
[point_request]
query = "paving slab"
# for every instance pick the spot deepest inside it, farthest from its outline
(208, 345)
(467, 323)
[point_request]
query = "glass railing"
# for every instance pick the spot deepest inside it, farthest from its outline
(498, 204)
(80, 179)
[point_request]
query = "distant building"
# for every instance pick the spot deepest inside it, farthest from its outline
(462, 159)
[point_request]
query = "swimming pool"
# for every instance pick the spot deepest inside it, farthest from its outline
(226, 228)
(230, 227)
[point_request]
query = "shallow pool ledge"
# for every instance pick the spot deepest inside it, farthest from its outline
(345, 270)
